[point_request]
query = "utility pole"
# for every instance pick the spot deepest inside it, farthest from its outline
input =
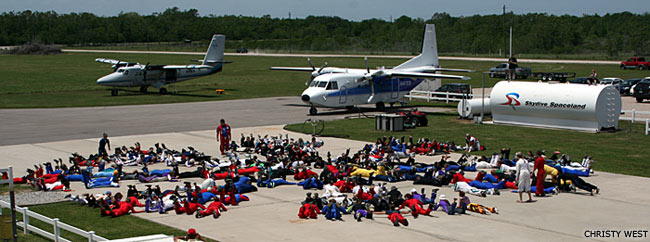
(289, 32)
(505, 45)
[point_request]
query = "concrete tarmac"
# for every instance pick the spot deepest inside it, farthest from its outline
(271, 215)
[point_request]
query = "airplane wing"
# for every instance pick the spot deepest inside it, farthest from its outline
(280, 68)
(431, 69)
(426, 75)
(170, 67)
(108, 61)
(225, 62)
(454, 70)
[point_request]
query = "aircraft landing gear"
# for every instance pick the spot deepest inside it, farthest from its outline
(313, 111)
(114, 92)
(380, 106)
(163, 91)
(143, 89)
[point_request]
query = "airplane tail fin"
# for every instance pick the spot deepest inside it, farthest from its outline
(429, 54)
(214, 54)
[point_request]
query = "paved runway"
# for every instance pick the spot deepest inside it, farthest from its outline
(20, 126)
(23, 126)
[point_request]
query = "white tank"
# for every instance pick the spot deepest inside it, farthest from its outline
(472, 107)
(557, 105)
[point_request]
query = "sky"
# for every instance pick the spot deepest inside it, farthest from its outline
(348, 9)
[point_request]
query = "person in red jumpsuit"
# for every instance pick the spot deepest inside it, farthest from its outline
(124, 208)
(308, 210)
(214, 208)
(188, 207)
(223, 136)
(416, 206)
(396, 218)
(539, 166)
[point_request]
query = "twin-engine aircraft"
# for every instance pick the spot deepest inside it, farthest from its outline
(334, 87)
(129, 74)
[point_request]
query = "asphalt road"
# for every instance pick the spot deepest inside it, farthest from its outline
(21, 126)
(599, 62)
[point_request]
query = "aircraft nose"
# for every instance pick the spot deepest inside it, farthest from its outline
(305, 98)
(101, 80)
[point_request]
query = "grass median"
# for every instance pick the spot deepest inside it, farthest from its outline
(621, 152)
(68, 80)
(88, 219)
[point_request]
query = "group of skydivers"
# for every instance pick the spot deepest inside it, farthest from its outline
(351, 183)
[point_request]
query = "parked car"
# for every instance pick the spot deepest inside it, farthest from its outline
(242, 50)
(503, 69)
(455, 88)
(642, 90)
(635, 62)
(614, 81)
(580, 80)
(626, 86)
(414, 118)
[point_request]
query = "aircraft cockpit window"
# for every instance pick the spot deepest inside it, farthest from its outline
(332, 86)
(322, 84)
(313, 84)
(120, 70)
(126, 73)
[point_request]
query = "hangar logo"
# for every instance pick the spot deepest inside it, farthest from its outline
(512, 100)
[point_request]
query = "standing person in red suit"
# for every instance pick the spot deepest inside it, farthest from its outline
(223, 135)
(539, 166)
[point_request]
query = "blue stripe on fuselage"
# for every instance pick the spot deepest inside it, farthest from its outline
(382, 85)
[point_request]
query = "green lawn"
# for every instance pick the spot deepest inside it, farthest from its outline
(68, 80)
(89, 219)
(621, 152)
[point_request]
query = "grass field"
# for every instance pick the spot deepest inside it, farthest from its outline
(621, 152)
(89, 219)
(68, 80)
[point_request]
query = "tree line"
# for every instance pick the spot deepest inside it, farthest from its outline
(610, 34)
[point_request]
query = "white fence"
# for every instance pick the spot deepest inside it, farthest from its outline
(56, 225)
(438, 96)
(634, 113)
(634, 119)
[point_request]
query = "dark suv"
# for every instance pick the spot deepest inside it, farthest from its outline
(455, 88)
(642, 90)
(580, 80)
(627, 84)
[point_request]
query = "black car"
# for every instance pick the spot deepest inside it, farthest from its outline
(242, 50)
(455, 88)
(580, 80)
(642, 90)
(627, 84)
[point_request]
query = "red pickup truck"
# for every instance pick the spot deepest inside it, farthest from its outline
(635, 62)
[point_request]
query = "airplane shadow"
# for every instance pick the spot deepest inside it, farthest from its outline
(184, 93)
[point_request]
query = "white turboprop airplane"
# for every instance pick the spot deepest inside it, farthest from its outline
(129, 74)
(334, 87)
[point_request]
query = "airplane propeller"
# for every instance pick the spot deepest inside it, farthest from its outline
(365, 60)
(314, 75)
(144, 72)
